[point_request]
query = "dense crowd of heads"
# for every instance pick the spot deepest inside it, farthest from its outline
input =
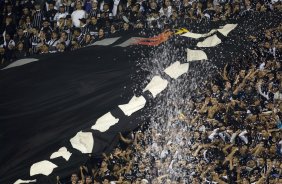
(45, 26)
(228, 131)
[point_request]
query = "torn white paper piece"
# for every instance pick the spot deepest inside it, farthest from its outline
(106, 41)
(44, 167)
(135, 104)
(198, 35)
(129, 42)
(83, 141)
(156, 85)
(20, 62)
(227, 28)
(62, 152)
(105, 122)
(19, 181)
(196, 55)
(125, 19)
(211, 41)
(176, 69)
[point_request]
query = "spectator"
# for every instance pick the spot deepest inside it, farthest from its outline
(27, 26)
(87, 40)
(10, 13)
(20, 51)
(77, 36)
(26, 13)
(105, 14)
(2, 52)
(37, 16)
(35, 40)
(166, 10)
(79, 13)
(52, 43)
(21, 38)
(120, 12)
(69, 28)
(60, 47)
(126, 26)
(8, 45)
(87, 5)
(113, 30)
(93, 27)
(74, 178)
(9, 27)
(84, 28)
(50, 14)
(60, 14)
(64, 39)
(94, 11)
(46, 28)
(101, 34)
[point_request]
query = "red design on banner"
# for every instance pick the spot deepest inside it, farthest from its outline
(156, 40)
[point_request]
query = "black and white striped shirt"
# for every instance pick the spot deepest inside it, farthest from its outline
(94, 12)
(85, 29)
(68, 30)
(37, 18)
(34, 40)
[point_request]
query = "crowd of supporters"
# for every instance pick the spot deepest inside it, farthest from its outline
(31, 27)
(228, 131)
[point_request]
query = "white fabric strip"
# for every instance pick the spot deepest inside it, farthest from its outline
(105, 122)
(62, 152)
(156, 85)
(176, 69)
(135, 104)
(129, 42)
(106, 41)
(225, 30)
(211, 41)
(192, 35)
(44, 167)
(196, 55)
(20, 62)
(197, 35)
(19, 181)
(83, 141)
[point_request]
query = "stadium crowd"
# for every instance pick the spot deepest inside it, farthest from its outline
(31, 27)
(229, 131)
